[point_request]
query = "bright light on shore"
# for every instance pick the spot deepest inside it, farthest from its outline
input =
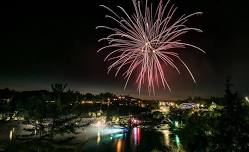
(101, 123)
(247, 99)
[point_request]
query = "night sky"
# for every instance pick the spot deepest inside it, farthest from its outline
(44, 42)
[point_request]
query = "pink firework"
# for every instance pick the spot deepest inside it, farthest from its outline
(145, 41)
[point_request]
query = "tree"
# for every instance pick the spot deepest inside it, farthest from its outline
(36, 112)
(232, 132)
(89, 96)
(61, 111)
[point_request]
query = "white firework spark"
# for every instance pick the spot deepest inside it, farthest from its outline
(145, 41)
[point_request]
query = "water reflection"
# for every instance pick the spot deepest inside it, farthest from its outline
(107, 134)
(12, 131)
(136, 135)
(10, 135)
(115, 139)
(120, 135)
(120, 145)
(177, 140)
(166, 136)
(98, 137)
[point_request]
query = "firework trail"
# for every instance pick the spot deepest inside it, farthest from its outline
(144, 42)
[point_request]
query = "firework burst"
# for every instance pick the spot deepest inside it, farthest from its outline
(145, 41)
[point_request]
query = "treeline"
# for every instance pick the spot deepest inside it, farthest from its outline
(223, 127)
(7, 95)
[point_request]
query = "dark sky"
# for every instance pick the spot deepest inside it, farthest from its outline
(44, 42)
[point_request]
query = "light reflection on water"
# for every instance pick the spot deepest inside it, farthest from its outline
(11, 134)
(177, 140)
(117, 139)
(136, 135)
(166, 135)
(98, 137)
(120, 145)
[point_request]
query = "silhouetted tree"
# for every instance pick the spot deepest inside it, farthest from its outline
(61, 111)
(89, 96)
(232, 132)
(36, 112)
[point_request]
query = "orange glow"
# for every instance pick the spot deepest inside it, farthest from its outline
(120, 145)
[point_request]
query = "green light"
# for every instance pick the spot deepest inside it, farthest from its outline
(118, 135)
(176, 124)
(177, 139)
